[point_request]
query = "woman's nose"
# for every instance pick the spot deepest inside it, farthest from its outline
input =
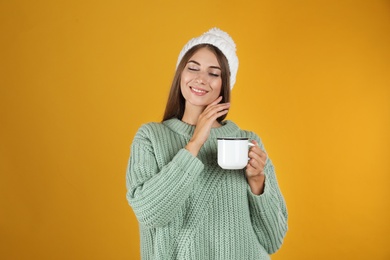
(201, 77)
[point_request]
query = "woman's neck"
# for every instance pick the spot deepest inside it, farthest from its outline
(192, 114)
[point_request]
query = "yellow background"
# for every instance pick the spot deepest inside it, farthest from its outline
(78, 78)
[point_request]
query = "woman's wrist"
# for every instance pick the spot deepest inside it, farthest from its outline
(257, 183)
(193, 148)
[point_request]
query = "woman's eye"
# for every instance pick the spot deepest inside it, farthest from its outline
(214, 74)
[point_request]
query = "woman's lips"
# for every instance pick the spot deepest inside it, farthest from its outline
(198, 91)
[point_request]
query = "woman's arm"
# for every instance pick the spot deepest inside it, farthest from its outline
(267, 208)
(268, 212)
(156, 195)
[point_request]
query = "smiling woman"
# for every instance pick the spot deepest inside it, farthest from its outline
(187, 206)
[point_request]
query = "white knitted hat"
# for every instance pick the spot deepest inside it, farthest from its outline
(222, 41)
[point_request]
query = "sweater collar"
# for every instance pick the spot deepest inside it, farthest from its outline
(228, 128)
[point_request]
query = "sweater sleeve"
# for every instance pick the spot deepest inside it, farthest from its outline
(156, 195)
(268, 211)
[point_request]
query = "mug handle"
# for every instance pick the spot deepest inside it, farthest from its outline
(250, 144)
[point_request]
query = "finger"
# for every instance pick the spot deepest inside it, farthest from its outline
(216, 101)
(217, 106)
(219, 114)
(251, 171)
(258, 150)
(255, 164)
(209, 112)
(258, 155)
(256, 161)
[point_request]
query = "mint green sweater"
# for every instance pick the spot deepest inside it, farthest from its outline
(190, 208)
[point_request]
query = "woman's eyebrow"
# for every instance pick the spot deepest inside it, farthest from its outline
(197, 63)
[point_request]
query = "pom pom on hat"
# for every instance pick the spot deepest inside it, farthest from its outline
(223, 42)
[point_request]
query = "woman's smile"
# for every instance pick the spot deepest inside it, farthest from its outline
(198, 91)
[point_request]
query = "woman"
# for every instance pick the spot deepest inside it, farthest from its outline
(187, 206)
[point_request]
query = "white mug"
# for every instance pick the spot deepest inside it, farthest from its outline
(233, 152)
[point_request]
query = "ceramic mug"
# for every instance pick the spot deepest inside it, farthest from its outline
(233, 152)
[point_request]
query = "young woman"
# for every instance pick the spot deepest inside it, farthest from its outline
(187, 206)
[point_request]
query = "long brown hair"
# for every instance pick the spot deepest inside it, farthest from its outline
(176, 102)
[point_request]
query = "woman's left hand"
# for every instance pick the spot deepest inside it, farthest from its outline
(255, 169)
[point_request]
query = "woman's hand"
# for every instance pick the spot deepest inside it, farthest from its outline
(205, 122)
(255, 169)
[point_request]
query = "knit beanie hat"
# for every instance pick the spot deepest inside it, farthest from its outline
(223, 42)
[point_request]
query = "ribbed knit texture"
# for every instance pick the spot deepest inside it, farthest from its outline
(190, 208)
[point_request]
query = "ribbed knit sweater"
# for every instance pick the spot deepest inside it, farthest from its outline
(190, 208)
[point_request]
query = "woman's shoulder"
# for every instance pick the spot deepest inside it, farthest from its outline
(148, 132)
(150, 127)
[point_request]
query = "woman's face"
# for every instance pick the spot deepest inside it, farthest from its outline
(201, 80)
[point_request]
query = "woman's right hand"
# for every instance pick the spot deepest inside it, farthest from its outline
(204, 124)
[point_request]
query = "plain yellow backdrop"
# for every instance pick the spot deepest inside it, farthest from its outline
(78, 78)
